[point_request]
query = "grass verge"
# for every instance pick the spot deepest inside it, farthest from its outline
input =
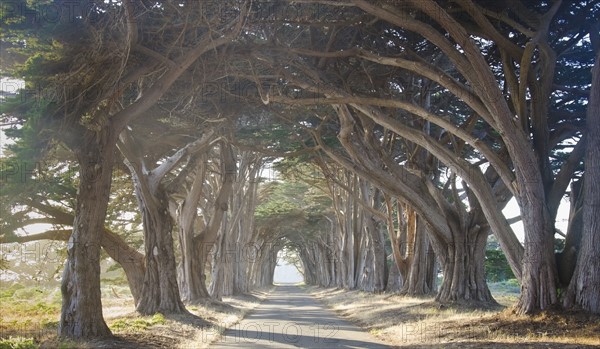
(29, 320)
(412, 322)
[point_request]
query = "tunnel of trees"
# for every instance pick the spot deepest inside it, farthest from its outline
(380, 141)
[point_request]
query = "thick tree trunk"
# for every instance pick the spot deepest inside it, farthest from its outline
(81, 312)
(244, 229)
(309, 266)
(410, 248)
(205, 241)
(226, 257)
(539, 279)
(585, 284)
(160, 292)
(231, 263)
(566, 260)
(192, 278)
(365, 260)
(381, 266)
(318, 263)
(417, 277)
(463, 268)
(377, 238)
(372, 266)
(264, 265)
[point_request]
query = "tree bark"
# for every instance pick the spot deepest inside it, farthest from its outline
(160, 292)
(192, 278)
(81, 312)
(231, 264)
(377, 238)
(463, 268)
(207, 238)
(538, 281)
(415, 266)
(245, 227)
(583, 289)
(540, 277)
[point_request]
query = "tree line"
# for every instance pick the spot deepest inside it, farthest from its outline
(412, 123)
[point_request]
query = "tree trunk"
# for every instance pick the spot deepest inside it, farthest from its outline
(377, 238)
(539, 278)
(585, 284)
(364, 267)
(192, 280)
(206, 240)
(81, 312)
(161, 289)
(463, 268)
(226, 256)
(193, 277)
(566, 260)
(264, 265)
(231, 263)
(417, 278)
(160, 292)
(410, 248)
(244, 229)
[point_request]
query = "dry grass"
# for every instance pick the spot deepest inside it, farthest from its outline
(204, 323)
(410, 322)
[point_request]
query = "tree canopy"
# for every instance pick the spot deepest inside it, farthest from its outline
(400, 131)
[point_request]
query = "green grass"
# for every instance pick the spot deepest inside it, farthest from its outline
(18, 343)
(27, 310)
(138, 324)
(9, 292)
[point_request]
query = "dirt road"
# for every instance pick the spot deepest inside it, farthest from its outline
(291, 318)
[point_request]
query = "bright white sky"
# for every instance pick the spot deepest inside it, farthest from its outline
(562, 218)
(7, 86)
(286, 273)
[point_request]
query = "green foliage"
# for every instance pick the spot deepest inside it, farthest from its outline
(274, 208)
(292, 211)
(18, 343)
(496, 266)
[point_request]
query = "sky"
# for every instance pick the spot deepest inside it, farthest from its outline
(7, 86)
(562, 217)
(286, 273)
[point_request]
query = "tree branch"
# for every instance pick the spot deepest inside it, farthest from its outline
(59, 235)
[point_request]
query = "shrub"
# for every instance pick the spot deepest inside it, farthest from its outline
(496, 266)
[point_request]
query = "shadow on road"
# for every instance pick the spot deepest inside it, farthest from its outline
(291, 318)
